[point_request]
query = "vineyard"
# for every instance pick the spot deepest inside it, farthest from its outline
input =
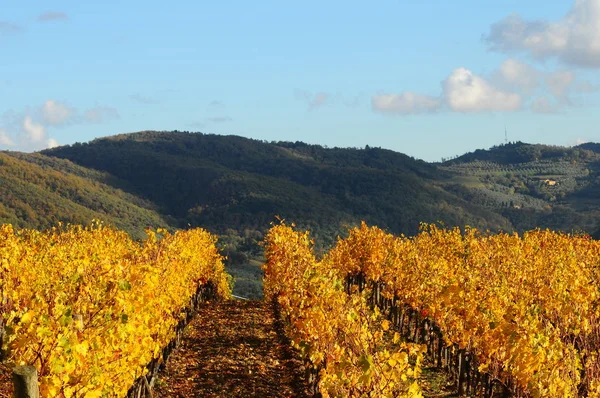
(92, 309)
(98, 314)
(515, 315)
(342, 341)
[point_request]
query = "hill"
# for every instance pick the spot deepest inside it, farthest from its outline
(230, 182)
(590, 146)
(533, 185)
(38, 191)
(236, 186)
(520, 152)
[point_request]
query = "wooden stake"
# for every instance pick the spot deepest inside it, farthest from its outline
(25, 379)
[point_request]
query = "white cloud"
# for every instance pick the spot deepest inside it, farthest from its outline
(464, 91)
(5, 140)
(559, 82)
(519, 75)
(101, 114)
(543, 104)
(26, 130)
(575, 39)
(515, 85)
(56, 113)
(51, 16)
(406, 103)
(35, 133)
(51, 143)
(581, 141)
(530, 81)
(35, 136)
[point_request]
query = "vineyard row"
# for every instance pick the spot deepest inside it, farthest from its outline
(94, 310)
(522, 311)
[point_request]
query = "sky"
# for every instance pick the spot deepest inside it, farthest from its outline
(431, 79)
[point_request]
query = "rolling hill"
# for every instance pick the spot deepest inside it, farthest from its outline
(229, 182)
(236, 186)
(38, 191)
(533, 185)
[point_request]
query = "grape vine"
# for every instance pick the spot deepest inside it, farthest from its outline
(90, 307)
(526, 306)
(351, 348)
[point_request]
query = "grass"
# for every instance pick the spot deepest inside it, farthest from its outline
(247, 278)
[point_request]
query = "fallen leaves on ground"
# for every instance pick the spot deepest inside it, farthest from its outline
(6, 386)
(233, 349)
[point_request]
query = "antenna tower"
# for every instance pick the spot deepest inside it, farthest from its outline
(505, 136)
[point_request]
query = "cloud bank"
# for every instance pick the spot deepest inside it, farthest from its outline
(514, 86)
(5, 140)
(462, 91)
(574, 39)
(518, 75)
(28, 130)
(56, 113)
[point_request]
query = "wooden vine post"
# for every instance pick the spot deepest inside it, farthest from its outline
(2, 334)
(25, 379)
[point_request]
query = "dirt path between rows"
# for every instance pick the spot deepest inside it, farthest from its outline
(233, 349)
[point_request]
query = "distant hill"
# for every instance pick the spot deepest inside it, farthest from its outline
(590, 146)
(520, 152)
(533, 185)
(230, 182)
(37, 191)
(236, 186)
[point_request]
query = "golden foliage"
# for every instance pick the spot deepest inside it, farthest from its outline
(348, 343)
(90, 307)
(527, 306)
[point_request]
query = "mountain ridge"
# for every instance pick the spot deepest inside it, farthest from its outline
(230, 177)
(235, 185)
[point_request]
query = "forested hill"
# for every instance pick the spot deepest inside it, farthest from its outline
(236, 186)
(37, 191)
(533, 185)
(230, 182)
(520, 152)
(591, 146)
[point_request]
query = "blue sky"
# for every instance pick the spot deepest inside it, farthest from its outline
(431, 79)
